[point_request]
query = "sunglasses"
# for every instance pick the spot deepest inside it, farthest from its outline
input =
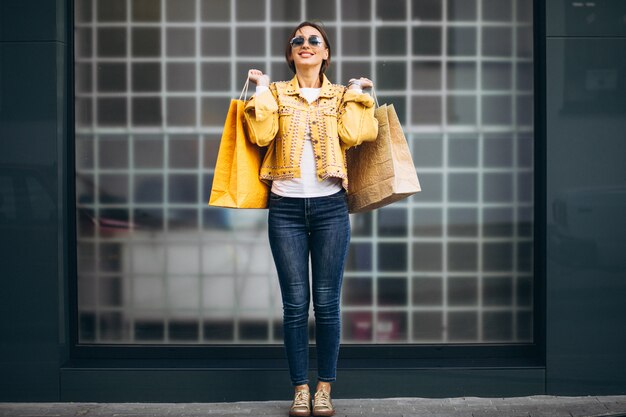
(314, 41)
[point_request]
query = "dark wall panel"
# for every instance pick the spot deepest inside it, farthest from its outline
(32, 199)
(32, 20)
(585, 18)
(586, 202)
(202, 385)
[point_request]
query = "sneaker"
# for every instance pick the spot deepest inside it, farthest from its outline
(322, 405)
(301, 405)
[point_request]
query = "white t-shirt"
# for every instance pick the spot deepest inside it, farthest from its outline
(307, 185)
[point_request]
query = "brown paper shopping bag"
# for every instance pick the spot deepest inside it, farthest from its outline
(381, 172)
(236, 182)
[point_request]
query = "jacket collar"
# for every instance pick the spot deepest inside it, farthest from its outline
(326, 91)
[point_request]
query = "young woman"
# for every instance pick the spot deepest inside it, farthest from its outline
(307, 124)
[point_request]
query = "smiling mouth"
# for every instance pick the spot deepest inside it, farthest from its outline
(305, 54)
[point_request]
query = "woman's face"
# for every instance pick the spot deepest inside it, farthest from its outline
(307, 55)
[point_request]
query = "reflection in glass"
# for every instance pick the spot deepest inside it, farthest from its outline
(157, 265)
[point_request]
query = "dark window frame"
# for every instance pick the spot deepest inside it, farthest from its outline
(367, 356)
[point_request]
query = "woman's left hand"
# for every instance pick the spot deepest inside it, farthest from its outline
(362, 82)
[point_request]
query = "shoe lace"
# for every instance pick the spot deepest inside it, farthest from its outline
(301, 399)
(322, 399)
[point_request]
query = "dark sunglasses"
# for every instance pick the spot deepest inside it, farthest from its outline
(314, 40)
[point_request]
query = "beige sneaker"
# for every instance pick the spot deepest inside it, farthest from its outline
(322, 405)
(301, 405)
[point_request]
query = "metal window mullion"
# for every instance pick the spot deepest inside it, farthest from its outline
(131, 175)
(339, 49)
(233, 53)
(167, 313)
(96, 162)
(514, 144)
(200, 156)
(245, 58)
(285, 23)
(445, 205)
(148, 131)
(198, 66)
(481, 173)
(409, 207)
(268, 63)
(375, 271)
(236, 305)
(164, 95)
(97, 275)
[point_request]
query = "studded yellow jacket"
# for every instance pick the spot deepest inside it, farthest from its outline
(339, 119)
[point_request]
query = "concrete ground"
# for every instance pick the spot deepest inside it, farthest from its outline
(534, 406)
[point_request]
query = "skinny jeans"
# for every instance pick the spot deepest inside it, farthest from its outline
(315, 229)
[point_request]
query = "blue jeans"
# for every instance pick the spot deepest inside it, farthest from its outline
(318, 227)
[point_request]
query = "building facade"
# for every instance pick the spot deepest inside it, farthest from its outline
(503, 277)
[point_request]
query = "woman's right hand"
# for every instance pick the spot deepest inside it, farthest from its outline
(258, 77)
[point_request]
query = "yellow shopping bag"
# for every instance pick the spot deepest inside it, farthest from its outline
(236, 182)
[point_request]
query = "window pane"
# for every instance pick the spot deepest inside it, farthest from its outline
(426, 75)
(147, 111)
(111, 42)
(427, 9)
(356, 10)
(181, 42)
(392, 75)
(181, 77)
(146, 42)
(461, 41)
(112, 78)
(427, 41)
(250, 10)
(357, 41)
(391, 41)
(146, 10)
(392, 10)
(462, 10)
(461, 76)
(112, 112)
(146, 77)
(112, 11)
(248, 42)
(180, 10)
(323, 10)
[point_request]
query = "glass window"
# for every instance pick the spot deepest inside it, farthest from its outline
(154, 80)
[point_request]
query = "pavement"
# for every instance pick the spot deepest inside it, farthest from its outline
(533, 406)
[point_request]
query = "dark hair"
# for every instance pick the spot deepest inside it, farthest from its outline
(321, 30)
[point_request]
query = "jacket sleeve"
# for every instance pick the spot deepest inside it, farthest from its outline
(356, 123)
(261, 113)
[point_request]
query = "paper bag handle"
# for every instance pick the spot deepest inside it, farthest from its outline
(375, 98)
(244, 92)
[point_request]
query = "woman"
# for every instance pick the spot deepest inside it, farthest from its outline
(307, 124)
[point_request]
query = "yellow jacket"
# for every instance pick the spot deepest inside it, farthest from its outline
(339, 119)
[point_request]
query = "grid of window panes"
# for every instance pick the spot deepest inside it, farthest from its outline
(452, 264)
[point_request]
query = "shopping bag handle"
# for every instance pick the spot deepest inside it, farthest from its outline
(375, 98)
(244, 92)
